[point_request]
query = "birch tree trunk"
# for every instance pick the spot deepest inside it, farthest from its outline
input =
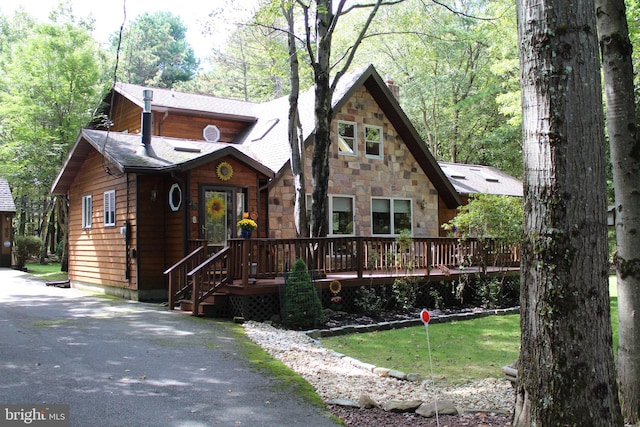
(625, 158)
(566, 372)
(295, 137)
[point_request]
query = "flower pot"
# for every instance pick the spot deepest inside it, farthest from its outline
(245, 233)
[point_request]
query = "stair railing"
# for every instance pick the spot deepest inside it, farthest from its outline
(177, 274)
(208, 277)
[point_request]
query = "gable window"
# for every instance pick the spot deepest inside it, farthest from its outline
(347, 141)
(373, 141)
(86, 211)
(391, 216)
(110, 208)
(341, 208)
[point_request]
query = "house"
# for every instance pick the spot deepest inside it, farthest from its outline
(476, 179)
(144, 193)
(7, 212)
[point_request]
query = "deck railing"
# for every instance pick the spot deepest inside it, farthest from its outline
(267, 258)
(249, 260)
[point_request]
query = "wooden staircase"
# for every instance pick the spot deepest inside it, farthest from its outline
(196, 283)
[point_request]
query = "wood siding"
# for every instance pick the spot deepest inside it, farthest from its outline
(98, 255)
(243, 177)
(127, 117)
(160, 234)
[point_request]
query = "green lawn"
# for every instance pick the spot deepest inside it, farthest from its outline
(49, 272)
(460, 350)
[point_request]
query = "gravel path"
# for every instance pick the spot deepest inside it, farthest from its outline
(337, 377)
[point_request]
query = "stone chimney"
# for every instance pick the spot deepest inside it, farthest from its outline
(393, 87)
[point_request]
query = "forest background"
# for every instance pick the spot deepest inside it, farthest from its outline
(456, 64)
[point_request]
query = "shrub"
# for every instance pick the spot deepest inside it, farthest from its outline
(405, 290)
(370, 300)
(25, 247)
(302, 304)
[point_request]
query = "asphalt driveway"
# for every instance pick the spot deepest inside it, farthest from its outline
(122, 363)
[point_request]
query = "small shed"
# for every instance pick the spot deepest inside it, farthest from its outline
(7, 212)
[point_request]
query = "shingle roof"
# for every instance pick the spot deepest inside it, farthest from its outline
(6, 198)
(266, 143)
(165, 99)
(472, 179)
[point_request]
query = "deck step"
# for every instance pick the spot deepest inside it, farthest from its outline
(208, 308)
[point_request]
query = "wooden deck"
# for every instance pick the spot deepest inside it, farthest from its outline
(253, 267)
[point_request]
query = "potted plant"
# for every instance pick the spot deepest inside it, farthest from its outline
(247, 225)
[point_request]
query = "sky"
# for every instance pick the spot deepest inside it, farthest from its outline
(109, 15)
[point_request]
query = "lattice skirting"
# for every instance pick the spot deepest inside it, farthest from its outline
(254, 307)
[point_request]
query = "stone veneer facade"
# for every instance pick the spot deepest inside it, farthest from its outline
(396, 174)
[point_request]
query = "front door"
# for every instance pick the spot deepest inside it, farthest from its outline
(222, 207)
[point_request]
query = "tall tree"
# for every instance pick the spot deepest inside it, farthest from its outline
(295, 133)
(566, 367)
(51, 80)
(155, 51)
(625, 158)
(318, 38)
(451, 74)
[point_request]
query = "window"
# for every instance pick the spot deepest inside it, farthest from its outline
(373, 141)
(347, 141)
(86, 211)
(110, 208)
(341, 208)
(391, 216)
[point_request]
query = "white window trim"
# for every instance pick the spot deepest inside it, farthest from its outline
(353, 214)
(381, 142)
(392, 227)
(87, 209)
(355, 138)
(110, 207)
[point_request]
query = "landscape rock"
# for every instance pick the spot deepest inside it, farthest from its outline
(343, 402)
(366, 402)
(402, 405)
(445, 407)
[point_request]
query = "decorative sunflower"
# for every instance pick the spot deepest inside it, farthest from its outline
(224, 171)
(217, 207)
(335, 287)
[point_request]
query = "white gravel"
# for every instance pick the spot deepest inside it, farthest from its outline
(337, 377)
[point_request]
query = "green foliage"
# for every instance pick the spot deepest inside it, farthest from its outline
(405, 291)
(458, 76)
(370, 300)
(489, 216)
(25, 247)
(155, 51)
(302, 304)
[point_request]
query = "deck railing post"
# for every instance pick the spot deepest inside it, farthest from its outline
(245, 262)
(172, 291)
(195, 294)
(360, 256)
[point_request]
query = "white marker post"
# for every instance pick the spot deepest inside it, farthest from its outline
(426, 317)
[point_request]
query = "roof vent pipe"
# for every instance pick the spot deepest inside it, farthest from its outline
(147, 97)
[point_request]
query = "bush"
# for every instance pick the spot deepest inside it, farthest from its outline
(25, 247)
(370, 300)
(302, 307)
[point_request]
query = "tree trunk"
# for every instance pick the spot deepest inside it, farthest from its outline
(62, 209)
(295, 138)
(322, 142)
(566, 368)
(625, 158)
